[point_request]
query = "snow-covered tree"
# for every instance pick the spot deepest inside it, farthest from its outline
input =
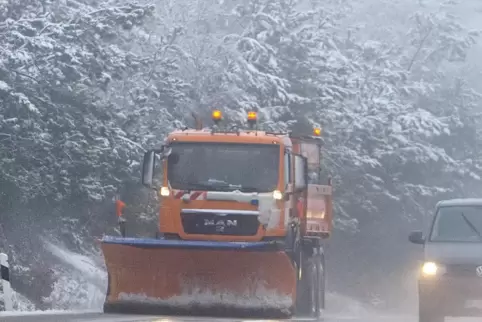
(85, 87)
(65, 149)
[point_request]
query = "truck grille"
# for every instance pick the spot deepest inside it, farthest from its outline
(212, 223)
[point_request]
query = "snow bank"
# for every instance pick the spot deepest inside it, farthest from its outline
(81, 264)
(21, 303)
(80, 283)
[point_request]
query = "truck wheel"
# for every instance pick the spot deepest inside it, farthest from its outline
(428, 312)
(320, 285)
(306, 290)
(314, 287)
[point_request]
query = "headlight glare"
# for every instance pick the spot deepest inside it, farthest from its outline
(277, 195)
(429, 268)
(432, 269)
(165, 192)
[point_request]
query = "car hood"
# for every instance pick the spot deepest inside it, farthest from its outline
(454, 253)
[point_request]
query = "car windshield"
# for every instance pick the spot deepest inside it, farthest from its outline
(224, 166)
(458, 224)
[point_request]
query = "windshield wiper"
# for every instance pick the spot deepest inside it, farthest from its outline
(223, 184)
(249, 189)
(206, 185)
(197, 186)
(469, 223)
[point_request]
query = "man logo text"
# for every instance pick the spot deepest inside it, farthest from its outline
(223, 223)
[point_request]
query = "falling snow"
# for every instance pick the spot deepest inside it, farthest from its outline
(86, 87)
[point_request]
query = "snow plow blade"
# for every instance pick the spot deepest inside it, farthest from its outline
(158, 276)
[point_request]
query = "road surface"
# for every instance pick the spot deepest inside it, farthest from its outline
(99, 317)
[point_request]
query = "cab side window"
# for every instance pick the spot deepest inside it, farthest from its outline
(287, 169)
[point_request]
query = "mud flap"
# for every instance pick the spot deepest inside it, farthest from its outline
(164, 276)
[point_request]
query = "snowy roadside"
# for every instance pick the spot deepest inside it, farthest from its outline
(46, 312)
(80, 282)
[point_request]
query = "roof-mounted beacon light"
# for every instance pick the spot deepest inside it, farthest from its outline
(317, 131)
(217, 116)
(252, 118)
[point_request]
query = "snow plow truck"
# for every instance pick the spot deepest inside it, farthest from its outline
(243, 222)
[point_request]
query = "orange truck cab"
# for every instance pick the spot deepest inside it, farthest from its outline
(248, 197)
(241, 186)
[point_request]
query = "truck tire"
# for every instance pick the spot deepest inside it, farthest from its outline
(319, 267)
(306, 288)
(427, 312)
(314, 306)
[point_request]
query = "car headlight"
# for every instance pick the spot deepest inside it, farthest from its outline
(432, 269)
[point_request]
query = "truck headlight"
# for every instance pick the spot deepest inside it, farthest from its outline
(432, 269)
(165, 192)
(277, 195)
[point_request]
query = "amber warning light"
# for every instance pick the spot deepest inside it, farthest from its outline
(217, 115)
(317, 131)
(252, 116)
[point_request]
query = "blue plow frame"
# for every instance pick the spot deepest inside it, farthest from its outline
(268, 246)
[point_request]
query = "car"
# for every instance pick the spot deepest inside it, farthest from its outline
(451, 274)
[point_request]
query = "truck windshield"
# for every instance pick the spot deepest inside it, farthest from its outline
(458, 224)
(224, 166)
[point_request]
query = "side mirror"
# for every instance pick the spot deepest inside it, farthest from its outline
(149, 164)
(416, 237)
(148, 168)
(166, 152)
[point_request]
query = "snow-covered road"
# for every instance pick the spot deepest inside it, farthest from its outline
(99, 317)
